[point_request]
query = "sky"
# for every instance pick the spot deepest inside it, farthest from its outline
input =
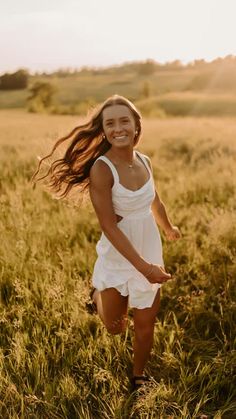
(45, 35)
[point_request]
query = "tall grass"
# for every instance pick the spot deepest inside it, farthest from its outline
(57, 361)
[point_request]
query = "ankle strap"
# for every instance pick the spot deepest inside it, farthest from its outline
(141, 377)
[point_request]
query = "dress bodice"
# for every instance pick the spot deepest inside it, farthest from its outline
(128, 203)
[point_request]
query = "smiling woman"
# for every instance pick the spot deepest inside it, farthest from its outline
(87, 143)
(129, 269)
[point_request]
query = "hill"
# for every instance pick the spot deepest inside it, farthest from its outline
(198, 88)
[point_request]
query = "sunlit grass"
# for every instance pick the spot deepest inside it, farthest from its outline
(189, 103)
(56, 361)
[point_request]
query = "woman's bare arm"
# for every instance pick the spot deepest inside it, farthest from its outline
(160, 214)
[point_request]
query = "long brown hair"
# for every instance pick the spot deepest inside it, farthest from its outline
(87, 143)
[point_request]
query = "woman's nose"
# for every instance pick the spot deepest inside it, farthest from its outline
(117, 127)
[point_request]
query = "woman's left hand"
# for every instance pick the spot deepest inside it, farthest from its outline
(173, 233)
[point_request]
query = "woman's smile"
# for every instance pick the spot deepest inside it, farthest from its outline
(120, 137)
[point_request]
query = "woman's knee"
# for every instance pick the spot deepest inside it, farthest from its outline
(117, 326)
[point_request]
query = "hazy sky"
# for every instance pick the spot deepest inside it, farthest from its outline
(50, 34)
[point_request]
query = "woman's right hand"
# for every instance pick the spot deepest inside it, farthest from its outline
(157, 275)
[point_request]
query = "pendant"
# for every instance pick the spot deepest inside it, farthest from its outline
(130, 166)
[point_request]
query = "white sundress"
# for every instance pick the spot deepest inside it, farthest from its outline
(111, 269)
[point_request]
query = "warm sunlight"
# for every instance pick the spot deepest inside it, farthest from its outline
(117, 209)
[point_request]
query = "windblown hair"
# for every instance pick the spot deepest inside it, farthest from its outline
(87, 143)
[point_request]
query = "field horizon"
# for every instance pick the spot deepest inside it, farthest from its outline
(173, 89)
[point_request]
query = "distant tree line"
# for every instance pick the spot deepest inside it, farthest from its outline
(145, 68)
(19, 79)
(14, 81)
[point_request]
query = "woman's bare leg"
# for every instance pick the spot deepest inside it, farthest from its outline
(112, 308)
(144, 321)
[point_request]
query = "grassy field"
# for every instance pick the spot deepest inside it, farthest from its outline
(57, 361)
(189, 104)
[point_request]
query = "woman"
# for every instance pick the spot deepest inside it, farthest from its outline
(129, 269)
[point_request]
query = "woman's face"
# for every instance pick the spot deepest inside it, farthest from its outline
(119, 126)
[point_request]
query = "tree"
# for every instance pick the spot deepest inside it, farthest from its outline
(146, 68)
(14, 81)
(41, 96)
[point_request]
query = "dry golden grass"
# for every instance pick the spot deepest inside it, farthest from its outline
(56, 361)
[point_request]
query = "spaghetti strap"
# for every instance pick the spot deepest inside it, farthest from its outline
(112, 167)
(142, 158)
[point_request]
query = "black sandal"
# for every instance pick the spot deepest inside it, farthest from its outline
(91, 307)
(136, 385)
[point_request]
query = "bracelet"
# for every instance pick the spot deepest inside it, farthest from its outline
(150, 271)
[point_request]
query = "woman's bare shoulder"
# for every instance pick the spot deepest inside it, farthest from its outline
(101, 173)
(148, 160)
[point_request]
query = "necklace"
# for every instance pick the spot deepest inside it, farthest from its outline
(130, 165)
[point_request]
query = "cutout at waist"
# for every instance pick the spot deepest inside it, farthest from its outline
(118, 218)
